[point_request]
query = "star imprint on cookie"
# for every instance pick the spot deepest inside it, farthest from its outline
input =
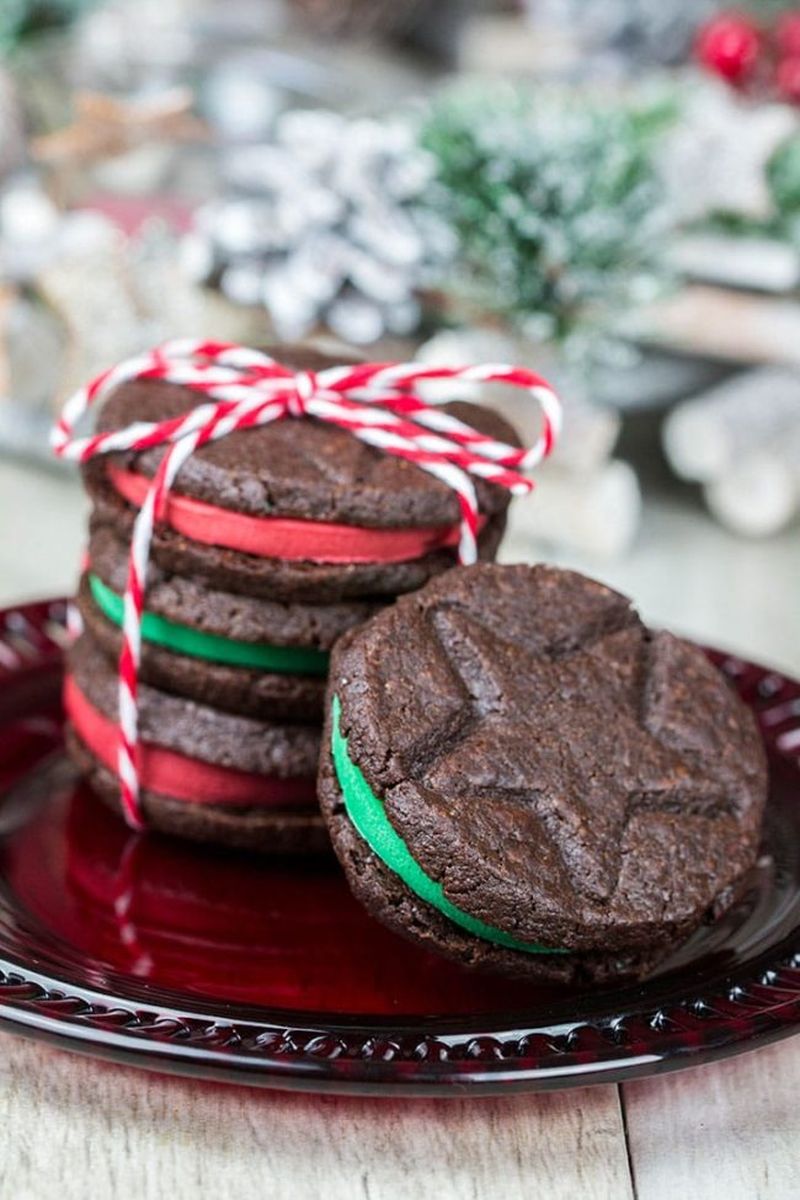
(634, 751)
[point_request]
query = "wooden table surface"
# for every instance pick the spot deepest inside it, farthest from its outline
(72, 1127)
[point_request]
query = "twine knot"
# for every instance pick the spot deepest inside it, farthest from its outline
(306, 385)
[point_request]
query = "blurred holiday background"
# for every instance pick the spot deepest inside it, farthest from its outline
(608, 190)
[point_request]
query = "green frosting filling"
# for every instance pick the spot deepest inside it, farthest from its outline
(368, 816)
(291, 660)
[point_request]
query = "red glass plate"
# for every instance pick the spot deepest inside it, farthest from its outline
(163, 955)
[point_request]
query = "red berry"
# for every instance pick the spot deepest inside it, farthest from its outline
(730, 46)
(787, 35)
(788, 79)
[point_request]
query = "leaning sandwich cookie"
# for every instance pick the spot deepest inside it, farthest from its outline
(517, 773)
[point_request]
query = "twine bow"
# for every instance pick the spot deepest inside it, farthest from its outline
(244, 389)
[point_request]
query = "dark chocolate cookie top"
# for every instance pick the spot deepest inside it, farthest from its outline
(565, 774)
(300, 468)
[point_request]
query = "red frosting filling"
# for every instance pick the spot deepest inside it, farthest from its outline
(175, 775)
(286, 537)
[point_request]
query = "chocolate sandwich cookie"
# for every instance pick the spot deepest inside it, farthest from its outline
(518, 773)
(205, 774)
(259, 658)
(292, 510)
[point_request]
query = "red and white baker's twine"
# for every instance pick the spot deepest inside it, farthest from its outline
(245, 388)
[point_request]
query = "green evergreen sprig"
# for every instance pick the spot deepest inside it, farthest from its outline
(556, 202)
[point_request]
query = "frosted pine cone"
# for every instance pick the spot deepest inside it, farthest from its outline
(325, 226)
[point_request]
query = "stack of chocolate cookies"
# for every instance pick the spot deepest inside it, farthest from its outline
(273, 542)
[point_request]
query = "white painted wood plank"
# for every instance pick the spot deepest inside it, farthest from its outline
(73, 1127)
(731, 1129)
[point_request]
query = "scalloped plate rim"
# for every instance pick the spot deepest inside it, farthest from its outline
(314, 1051)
